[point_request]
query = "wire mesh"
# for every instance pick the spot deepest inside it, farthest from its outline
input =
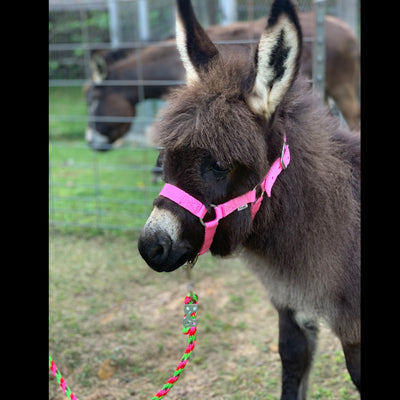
(113, 190)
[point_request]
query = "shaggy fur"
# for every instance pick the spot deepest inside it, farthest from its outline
(310, 225)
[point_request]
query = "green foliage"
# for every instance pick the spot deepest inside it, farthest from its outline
(74, 27)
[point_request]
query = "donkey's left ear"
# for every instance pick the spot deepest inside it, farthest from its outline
(277, 59)
(195, 47)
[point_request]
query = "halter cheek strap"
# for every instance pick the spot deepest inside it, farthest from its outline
(239, 203)
(276, 168)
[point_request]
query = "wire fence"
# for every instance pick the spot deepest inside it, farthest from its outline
(113, 191)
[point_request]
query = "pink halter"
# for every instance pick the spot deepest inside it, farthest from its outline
(239, 203)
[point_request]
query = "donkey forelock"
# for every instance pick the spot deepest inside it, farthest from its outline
(211, 114)
(230, 98)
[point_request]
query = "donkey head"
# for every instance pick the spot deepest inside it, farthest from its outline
(218, 134)
(110, 108)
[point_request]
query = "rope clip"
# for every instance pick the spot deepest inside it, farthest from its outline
(188, 268)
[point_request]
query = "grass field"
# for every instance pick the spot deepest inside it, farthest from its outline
(92, 192)
(115, 328)
(67, 101)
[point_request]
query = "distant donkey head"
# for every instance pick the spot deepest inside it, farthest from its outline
(110, 112)
(111, 108)
(214, 132)
(111, 103)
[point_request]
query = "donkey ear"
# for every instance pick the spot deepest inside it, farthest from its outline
(98, 67)
(195, 47)
(277, 59)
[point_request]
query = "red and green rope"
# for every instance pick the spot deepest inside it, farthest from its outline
(61, 380)
(191, 331)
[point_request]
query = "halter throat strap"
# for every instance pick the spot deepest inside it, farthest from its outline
(239, 203)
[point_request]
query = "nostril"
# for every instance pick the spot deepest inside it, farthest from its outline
(162, 246)
(159, 251)
(155, 248)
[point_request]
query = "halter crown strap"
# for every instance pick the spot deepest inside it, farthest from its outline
(276, 168)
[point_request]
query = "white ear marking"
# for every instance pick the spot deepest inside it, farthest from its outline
(195, 47)
(278, 52)
(180, 32)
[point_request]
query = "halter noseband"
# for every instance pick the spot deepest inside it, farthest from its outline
(239, 203)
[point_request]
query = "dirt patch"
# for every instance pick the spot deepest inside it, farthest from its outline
(115, 329)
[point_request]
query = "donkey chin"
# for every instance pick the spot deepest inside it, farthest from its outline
(160, 243)
(99, 142)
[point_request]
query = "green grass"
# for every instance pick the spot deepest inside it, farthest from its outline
(106, 306)
(91, 192)
(64, 101)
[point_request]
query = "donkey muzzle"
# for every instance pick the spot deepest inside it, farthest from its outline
(160, 244)
(155, 248)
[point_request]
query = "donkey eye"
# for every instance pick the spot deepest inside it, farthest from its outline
(212, 170)
(219, 168)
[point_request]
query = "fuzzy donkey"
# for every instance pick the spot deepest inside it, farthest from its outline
(253, 163)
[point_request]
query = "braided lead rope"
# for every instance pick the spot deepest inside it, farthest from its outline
(190, 329)
(61, 380)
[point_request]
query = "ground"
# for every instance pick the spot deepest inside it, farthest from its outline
(115, 329)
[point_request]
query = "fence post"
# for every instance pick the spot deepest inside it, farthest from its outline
(114, 22)
(319, 49)
(143, 15)
(229, 11)
(347, 11)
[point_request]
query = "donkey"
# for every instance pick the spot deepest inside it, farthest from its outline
(163, 63)
(255, 165)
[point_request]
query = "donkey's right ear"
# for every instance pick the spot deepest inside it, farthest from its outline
(195, 47)
(98, 67)
(277, 58)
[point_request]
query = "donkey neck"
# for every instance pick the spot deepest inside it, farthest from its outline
(312, 202)
(151, 64)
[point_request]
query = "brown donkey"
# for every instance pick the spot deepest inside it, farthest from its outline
(162, 62)
(254, 163)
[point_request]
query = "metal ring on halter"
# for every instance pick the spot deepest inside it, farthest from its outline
(284, 166)
(201, 219)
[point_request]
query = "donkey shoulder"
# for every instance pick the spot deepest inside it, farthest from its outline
(351, 148)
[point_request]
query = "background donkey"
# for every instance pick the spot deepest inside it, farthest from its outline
(342, 73)
(222, 133)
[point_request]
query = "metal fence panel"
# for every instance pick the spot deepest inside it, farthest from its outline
(114, 190)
